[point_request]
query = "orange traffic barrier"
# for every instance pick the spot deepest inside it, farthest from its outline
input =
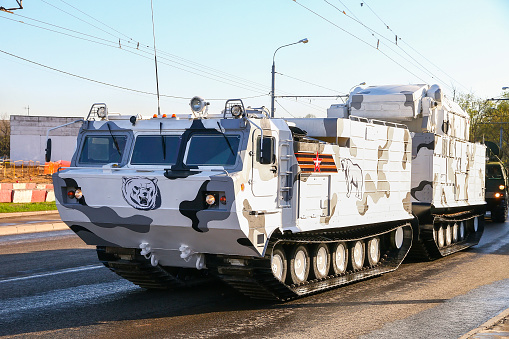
(53, 166)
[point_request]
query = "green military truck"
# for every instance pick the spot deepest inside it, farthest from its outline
(496, 184)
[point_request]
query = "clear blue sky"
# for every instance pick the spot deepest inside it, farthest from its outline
(223, 49)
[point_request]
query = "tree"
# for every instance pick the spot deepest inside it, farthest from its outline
(5, 136)
(487, 117)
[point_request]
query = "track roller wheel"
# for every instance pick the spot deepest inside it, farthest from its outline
(321, 261)
(455, 232)
(357, 254)
(278, 263)
(339, 258)
(299, 264)
(461, 230)
(373, 251)
(448, 235)
(397, 238)
(440, 236)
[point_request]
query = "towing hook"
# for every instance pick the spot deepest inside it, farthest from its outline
(146, 252)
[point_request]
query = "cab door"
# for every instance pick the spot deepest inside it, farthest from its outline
(264, 178)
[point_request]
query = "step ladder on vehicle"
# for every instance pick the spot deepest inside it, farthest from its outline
(285, 184)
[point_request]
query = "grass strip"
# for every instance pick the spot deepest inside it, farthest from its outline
(9, 207)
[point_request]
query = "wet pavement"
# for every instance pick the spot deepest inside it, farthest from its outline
(52, 285)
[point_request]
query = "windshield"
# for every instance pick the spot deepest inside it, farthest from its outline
(155, 150)
(493, 172)
(102, 149)
(212, 149)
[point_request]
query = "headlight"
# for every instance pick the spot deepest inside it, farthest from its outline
(501, 187)
(78, 194)
(498, 195)
(210, 199)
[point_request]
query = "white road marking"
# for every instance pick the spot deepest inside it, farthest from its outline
(47, 274)
(83, 295)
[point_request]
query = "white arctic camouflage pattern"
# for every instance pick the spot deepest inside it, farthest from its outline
(447, 169)
(327, 173)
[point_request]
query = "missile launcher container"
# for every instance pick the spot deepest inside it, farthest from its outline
(448, 171)
(277, 208)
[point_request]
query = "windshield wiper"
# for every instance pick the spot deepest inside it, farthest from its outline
(114, 140)
(163, 140)
(225, 138)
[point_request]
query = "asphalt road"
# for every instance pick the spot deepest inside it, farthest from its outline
(51, 285)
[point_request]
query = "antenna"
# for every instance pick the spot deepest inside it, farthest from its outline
(155, 58)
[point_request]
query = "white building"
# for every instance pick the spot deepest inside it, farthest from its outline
(28, 137)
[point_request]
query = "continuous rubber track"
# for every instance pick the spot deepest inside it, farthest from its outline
(254, 277)
(426, 246)
(131, 265)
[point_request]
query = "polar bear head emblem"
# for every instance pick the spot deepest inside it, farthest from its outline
(141, 193)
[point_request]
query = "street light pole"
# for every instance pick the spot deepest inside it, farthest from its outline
(361, 84)
(305, 41)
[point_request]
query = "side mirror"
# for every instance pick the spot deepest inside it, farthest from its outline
(265, 150)
(48, 150)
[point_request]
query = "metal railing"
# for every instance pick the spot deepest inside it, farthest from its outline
(20, 168)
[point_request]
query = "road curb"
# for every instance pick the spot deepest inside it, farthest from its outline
(487, 324)
(26, 214)
(32, 228)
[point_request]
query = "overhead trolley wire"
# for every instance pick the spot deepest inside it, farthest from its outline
(129, 49)
(141, 48)
(132, 40)
(78, 18)
(373, 32)
(277, 102)
(440, 69)
(364, 2)
(402, 40)
(307, 82)
(145, 46)
(85, 78)
(90, 16)
(356, 37)
(242, 82)
(105, 83)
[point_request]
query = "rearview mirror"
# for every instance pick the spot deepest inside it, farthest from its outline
(265, 150)
(48, 150)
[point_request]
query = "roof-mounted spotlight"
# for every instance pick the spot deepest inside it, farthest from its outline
(102, 112)
(236, 111)
(199, 106)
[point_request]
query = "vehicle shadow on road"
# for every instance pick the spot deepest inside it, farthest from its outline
(95, 297)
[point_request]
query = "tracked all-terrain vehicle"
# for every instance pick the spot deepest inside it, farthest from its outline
(277, 208)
